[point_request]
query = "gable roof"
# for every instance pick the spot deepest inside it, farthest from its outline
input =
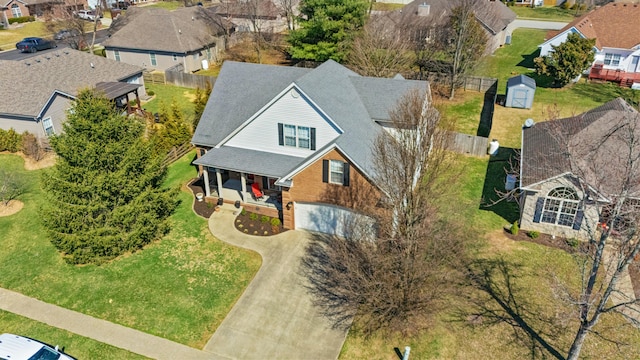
(494, 15)
(265, 9)
(180, 31)
(352, 101)
(521, 80)
(557, 147)
(28, 84)
(613, 25)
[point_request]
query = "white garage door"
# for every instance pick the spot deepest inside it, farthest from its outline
(324, 218)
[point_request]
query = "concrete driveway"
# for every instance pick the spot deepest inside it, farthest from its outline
(274, 317)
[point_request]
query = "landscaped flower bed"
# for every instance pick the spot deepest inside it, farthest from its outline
(258, 225)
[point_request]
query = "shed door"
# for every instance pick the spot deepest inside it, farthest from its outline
(519, 99)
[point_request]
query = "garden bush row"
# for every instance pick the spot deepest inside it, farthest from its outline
(22, 19)
(12, 141)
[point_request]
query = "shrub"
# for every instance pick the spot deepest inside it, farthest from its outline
(515, 228)
(10, 140)
(264, 219)
(22, 19)
(573, 242)
(243, 212)
(275, 222)
(533, 234)
(31, 146)
(253, 216)
(151, 92)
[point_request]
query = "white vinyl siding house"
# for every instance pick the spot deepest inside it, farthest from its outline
(546, 46)
(304, 128)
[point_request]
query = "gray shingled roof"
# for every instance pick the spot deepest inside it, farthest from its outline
(346, 97)
(26, 85)
(251, 161)
(556, 147)
(521, 80)
(180, 31)
(494, 15)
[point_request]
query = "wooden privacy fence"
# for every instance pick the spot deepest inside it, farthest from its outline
(178, 78)
(468, 144)
(478, 83)
(176, 153)
(153, 77)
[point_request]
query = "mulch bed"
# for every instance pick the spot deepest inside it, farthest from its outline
(202, 208)
(244, 223)
(561, 243)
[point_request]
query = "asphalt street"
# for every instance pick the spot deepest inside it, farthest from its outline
(101, 35)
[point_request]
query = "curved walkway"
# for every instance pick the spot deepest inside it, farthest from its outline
(274, 317)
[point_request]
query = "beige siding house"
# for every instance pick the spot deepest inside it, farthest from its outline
(158, 39)
(45, 86)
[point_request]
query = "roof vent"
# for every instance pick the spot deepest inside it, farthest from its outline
(92, 66)
(529, 123)
(424, 9)
(37, 60)
(47, 57)
(179, 31)
(27, 63)
(57, 54)
(192, 18)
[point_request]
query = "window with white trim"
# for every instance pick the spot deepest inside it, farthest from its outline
(336, 172)
(304, 137)
(290, 135)
(47, 124)
(154, 61)
(560, 207)
(16, 11)
(116, 54)
(612, 59)
(297, 136)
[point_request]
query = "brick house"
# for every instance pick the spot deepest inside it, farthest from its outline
(300, 136)
(18, 8)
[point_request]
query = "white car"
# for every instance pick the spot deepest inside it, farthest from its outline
(15, 347)
(86, 14)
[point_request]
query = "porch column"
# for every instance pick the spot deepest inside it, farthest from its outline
(219, 179)
(243, 184)
(138, 99)
(128, 106)
(207, 188)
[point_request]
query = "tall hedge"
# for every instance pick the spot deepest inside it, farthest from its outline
(105, 191)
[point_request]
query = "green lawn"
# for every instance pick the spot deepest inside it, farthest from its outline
(179, 288)
(9, 38)
(166, 94)
(169, 5)
(77, 346)
(550, 13)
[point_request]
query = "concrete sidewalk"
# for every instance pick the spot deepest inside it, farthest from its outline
(100, 330)
(274, 318)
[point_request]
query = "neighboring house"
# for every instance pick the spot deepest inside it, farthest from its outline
(493, 16)
(302, 136)
(18, 8)
(569, 168)
(247, 15)
(158, 39)
(617, 49)
(37, 92)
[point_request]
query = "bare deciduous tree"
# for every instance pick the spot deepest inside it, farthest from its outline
(11, 186)
(380, 51)
(288, 9)
(394, 278)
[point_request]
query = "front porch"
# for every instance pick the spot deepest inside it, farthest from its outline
(232, 186)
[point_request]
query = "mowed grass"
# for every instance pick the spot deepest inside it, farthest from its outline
(165, 95)
(549, 13)
(169, 5)
(75, 345)
(180, 287)
(535, 274)
(9, 37)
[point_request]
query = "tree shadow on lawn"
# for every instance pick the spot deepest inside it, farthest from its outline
(527, 62)
(497, 298)
(488, 108)
(495, 180)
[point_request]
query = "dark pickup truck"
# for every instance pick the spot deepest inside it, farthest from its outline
(33, 44)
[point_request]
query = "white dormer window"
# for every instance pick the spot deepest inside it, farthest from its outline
(297, 136)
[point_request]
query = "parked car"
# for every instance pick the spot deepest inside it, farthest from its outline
(33, 44)
(86, 14)
(17, 347)
(66, 33)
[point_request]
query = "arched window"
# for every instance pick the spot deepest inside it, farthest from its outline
(15, 11)
(561, 206)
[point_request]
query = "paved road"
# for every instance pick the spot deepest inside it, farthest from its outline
(101, 35)
(274, 318)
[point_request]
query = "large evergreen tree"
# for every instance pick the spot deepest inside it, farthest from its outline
(105, 190)
(326, 28)
(567, 60)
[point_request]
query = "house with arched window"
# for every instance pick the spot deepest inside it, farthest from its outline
(18, 8)
(573, 169)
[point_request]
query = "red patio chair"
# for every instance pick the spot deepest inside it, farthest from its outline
(257, 193)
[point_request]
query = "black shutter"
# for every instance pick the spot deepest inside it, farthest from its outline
(313, 138)
(280, 134)
(345, 174)
(325, 171)
(538, 214)
(577, 222)
(265, 183)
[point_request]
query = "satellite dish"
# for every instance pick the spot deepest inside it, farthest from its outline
(529, 123)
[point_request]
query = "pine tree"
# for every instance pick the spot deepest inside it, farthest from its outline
(105, 190)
